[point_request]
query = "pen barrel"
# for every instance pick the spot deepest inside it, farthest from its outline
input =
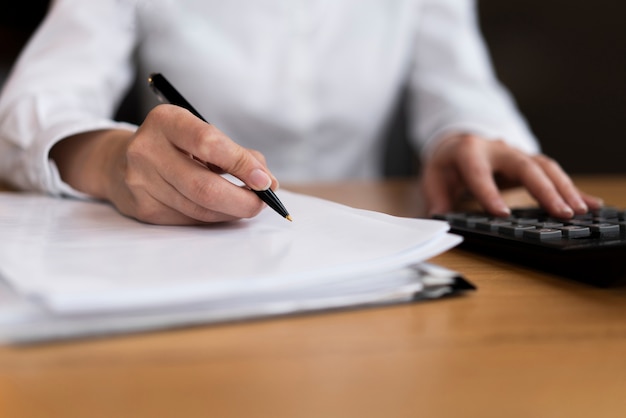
(270, 198)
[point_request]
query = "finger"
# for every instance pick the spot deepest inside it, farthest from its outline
(158, 167)
(562, 183)
(183, 211)
(593, 202)
(436, 190)
(143, 207)
(259, 156)
(477, 172)
(148, 197)
(161, 206)
(205, 195)
(532, 176)
(209, 144)
(153, 211)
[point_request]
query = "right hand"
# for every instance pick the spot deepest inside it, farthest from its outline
(150, 175)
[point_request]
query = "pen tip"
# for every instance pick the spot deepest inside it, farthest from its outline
(288, 217)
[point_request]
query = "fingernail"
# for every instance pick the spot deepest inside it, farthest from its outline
(259, 180)
(500, 209)
(581, 207)
(504, 210)
(566, 212)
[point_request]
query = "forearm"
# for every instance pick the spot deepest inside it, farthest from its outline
(69, 79)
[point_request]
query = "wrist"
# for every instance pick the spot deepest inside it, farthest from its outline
(89, 161)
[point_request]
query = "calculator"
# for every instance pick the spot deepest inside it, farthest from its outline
(590, 247)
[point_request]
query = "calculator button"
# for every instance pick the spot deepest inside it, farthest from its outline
(602, 219)
(604, 229)
(514, 230)
(470, 221)
(582, 222)
(575, 231)
(584, 216)
(542, 234)
(552, 225)
(492, 226)
(448, 216)
(526, 221)
(606, 212)
(528, 213)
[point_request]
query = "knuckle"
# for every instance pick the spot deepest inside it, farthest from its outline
(525, 166)
(240, 160)
(470, 142)
(159, 112)
(500, 143)
(135, 152)
(133, 177)
(204, 141)
(258, 155)
(501, 147)
(548, 162)
(147, 212)
(474, 145)
(133, 180)
(202, 190)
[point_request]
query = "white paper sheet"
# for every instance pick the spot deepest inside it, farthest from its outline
(23, 321)
(83, 257)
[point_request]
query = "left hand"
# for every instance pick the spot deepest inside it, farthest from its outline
(468, 163)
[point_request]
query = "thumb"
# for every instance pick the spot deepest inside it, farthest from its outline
(258, 180)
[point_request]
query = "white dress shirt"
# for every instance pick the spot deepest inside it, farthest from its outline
(309, 83)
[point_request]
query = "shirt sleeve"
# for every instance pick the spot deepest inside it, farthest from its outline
(69, 79)
(453, 86)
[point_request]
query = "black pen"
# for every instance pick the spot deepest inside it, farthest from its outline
(167, 93)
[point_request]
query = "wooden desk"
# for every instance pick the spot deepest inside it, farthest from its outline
(525, 345)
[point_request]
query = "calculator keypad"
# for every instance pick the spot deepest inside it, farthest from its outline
(590, 247)
(535, 224)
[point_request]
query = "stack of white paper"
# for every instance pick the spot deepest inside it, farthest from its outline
(73, 268)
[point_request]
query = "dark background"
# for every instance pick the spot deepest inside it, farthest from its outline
(564, 62)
